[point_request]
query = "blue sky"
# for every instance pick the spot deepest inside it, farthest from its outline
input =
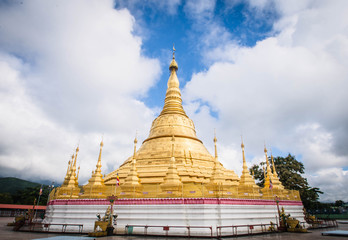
(160, 30)
(271, 70)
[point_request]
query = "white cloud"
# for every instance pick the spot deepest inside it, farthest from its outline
(332, 181)
(70, 71)
(289, 90)
(200, 9)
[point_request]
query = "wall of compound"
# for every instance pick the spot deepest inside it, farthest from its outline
(206, 214)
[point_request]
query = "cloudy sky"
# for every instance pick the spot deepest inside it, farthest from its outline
(73, 72)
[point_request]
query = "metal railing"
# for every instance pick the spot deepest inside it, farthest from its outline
(238, 230)
(45, 227)
(166, 230)
(323, 223)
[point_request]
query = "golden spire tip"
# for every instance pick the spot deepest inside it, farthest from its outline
(136, 137)
(173, 64)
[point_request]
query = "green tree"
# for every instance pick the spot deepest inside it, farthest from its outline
(6, 198)
(339, 203)
(28, 195)
(290, 173)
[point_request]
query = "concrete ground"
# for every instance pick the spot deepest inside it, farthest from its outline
(7, 233)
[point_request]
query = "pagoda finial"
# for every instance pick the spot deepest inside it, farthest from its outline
(265, 150)
(98, 166)
(77, 150)
(135, 146)
(242, 145)
(73, 169)
(269, 176)
(70, 164)
(244, 162)
(173, 65)
(78, 172)
(67, 171)
(174, 51)
(215, 140)
(273, 165)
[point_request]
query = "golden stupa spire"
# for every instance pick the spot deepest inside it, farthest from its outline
(69, 188)
(132, 180)
(275, 179)
(74, 167)
(247, 187)
(172, 183)
(269, 175)
(267, 162)
(217, 174)
(78, 172)
(264, 173)
(67, 175)
(95, 188)
(274, 170)
(99, 165)
(244, 162)
(71, 164)
(173, 101)
(135, 149)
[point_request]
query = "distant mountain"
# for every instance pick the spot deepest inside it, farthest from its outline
(12, 185)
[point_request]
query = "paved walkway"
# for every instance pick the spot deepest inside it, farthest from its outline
(8, 234)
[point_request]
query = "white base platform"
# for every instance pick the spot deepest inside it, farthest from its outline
(199, 213)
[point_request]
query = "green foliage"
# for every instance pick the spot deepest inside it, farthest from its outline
(18, 191)
(6, 198)
(339, 203)
(290, 172)
(12, 185)
(28, 195)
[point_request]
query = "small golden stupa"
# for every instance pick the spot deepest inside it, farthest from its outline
(70, 187)
(173, 163)
(95, 188)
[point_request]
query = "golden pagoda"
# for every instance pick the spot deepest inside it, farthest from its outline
(172, 185)
(272, 187)
(173, 163)
(131, 186)
(219, 185)
(69, 188)
(95, 188)
(188, 164)
(247, 187)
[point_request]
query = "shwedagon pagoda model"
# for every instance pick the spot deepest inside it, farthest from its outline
(172, 163)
